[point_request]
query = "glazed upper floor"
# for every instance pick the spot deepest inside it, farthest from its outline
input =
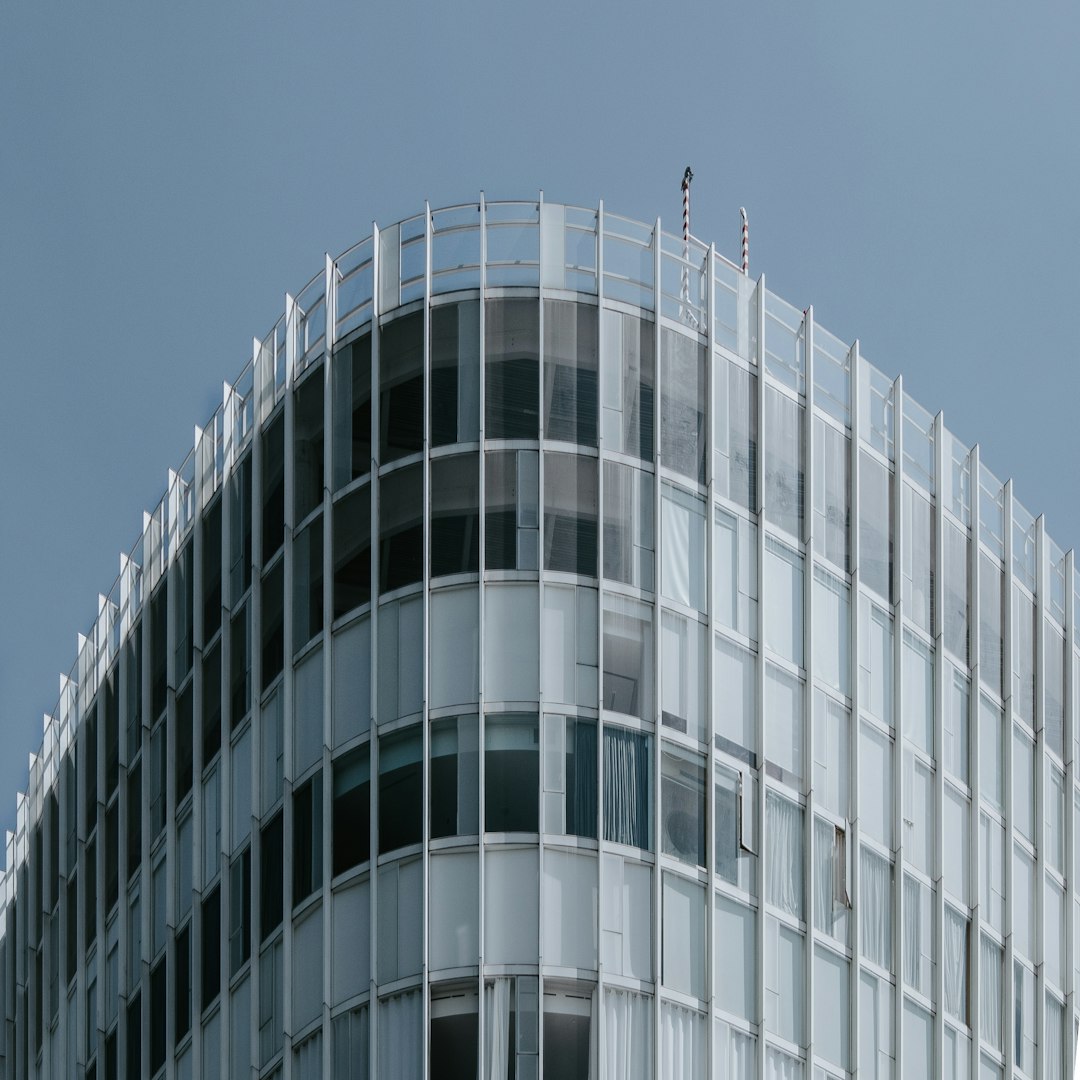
(680, 321)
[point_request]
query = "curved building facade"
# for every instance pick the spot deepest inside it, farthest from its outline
(559, 657)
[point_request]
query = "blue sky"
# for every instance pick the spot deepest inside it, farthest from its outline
(168, 172)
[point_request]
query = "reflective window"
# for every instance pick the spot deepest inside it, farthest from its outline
(876, 662)
(1023, 788)
(683, 401)
(455, 373)
(785, 1006)
(570, 514)
(352, 411)
(1024, 633)
(875, 525)
(684, 663)
(273, 624)
(957, 707)
(628, 384)
(734, 831)
(455, 776)
(511, 511)
(511, 772)
(735, 573)
(454, 1041)
(875, 800)
(991, 624)
(832, 495)
(736, 433)
(831, 769)
(991, 753)
(992, 871)
(352, 809)
(919, 566)
(954, 594)
(629, 544)
(307, 584)
(784, 725)
(628, 656)
(784, 601)
(682, 517)
(875, 908)
(401, 528)
(273, 487)
(682, 805)
(308, 446)
(570, 372)
(352, 551)
(307, 838)
(401, 387)
(735, 700)
(568, 1035)
(918, 674)
(455, 514)
(400, 790)
(512, 361)
(784, 462)
(1055, 657)
(832, 630)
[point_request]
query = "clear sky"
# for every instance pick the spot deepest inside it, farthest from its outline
(167, 172)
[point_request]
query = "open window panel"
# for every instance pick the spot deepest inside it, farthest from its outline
(454, 1032)
(569, 1036)
(736, 823)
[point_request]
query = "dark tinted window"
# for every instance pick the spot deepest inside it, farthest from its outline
(401, 529)
(455, 373)
(352, 810)
(401, 387)
(273, 487)
(400, 790)
(308, 446)
(352, 411)
(512, 771)
(512, 392)
(307, 839)
(352, 551)
(455, 514)
(570, 372)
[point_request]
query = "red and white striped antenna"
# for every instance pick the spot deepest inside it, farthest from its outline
(688, 175)
(745, 241)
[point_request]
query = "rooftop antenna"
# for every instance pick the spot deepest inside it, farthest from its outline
(688, 175)
(745, 241)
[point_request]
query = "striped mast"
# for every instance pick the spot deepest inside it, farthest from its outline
(687, 177)
(745, 241)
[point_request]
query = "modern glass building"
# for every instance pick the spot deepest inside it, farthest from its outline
(559, 658)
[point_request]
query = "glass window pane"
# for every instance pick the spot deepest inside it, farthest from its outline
(991, 623)
(735, 573)
(1024, 688)
(352, 550)
(511, 511)
(628, 384)
(684, 661)
(734, 700)
(512, 390)
(628, 656)
(629, 545)
(784, 854)
(954, 597)
(455, 514)
(570, 514)
(352, 809)
(273, 487)
(784, 601)
(736, 434)
(784, 726)
(682, 805)
(918, 669)
(832, 495)
(455, 776)
(401, 528)
(682, 517)
(308, 446)
(918, 560)
(992, 871)
(307, 584)
(570, 372)
(1023, 785)
(512, 772)
(876, 661)
(875, 525)
(401, 387)
(352, 411)
(783, 462)
(455, 373)
(683, 405)
(400, 790)
(957, 706)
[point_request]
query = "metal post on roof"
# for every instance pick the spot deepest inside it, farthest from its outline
(688, 175)
(745, 241)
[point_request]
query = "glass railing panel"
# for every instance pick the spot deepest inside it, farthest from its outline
(785, 343)
(1023, 545)
(991, 511)
(628, 261)
(513, 243)
(734, 312)
(832, 375)
(355, 287)
(956, 483)
(918, 444)
(684, 279)
(455, 248)
(311, 322)
(412, 258)
(876, 408)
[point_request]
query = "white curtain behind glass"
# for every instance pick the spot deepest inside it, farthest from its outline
(781, 1066)
(954, 956)
(734, 1053)
(682, 1043)
(400, 1037)
(875, 907)
(912, 933)
(497, 1029)
(990, 993)
(627, 1035)
(784, 852)
(1055, 1039)
(824, 874)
